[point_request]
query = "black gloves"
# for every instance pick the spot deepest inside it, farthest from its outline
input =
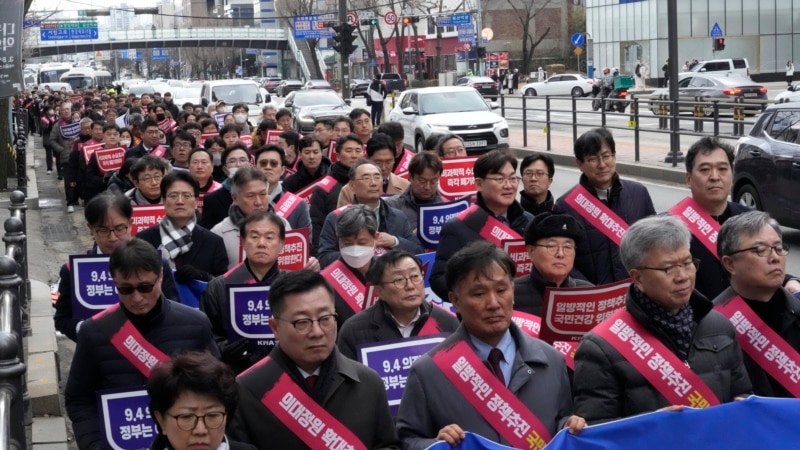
(187, 273)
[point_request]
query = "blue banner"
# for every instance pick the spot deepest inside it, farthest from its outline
(428, 259)
(93, 289)
(70, 131)
(755, 423)
(220, 118)
(249, 314)
(125, 418)
(433, 217)
(392, 360)
(192, 292)
(472, 441)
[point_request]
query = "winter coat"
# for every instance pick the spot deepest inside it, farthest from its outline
(410, 205)
(529, 291)
(324, 202)
(303, 177)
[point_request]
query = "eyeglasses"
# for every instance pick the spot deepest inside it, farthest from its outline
(303, 326)
(765, 250)
(368, 178)
(182, 145)
(594, 160)
(183, 195)
(144, 288)
(118, 230)
(503, 181)
(272, 163)
(531, 175)
(553, 249)
(237, 162)
(671, 271)
(152, 179)
(187, 422)
(400, 282)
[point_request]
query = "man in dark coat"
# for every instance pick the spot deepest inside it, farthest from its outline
(216, 205)
(537, 172)
(146, 317)
(480, 277)
(194, 252)
(306, 365)
(401, 311)
(752, 251)
(598, 256)
(423, 176)
(662, 300)
(150, 140)
(312, 166)
(496, 181)
(551, 241)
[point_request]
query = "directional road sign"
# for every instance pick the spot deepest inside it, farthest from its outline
(311, 27)
(251, 51)
(68, 31)
(577, 39)
(460, 19)
(160, 54)
(466, 33)
(716, 31)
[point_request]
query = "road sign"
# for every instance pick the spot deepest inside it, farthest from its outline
(578, 50)
(160, 54)
(390, 18)
(460, 19)
(443, 21)
(308, 27)
(716, 31)
(251, 51)
(373, 63)
(31, 23)
(102, 56)
(577, 39)
(352, 17)
(68, 31)
(466, 33)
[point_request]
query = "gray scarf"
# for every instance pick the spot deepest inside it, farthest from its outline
(176, 241)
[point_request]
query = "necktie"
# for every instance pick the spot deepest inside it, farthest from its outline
(495, 356)
(504, 220)
(311, 380)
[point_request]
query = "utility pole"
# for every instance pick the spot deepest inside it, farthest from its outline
(344, 67)
(479, 37)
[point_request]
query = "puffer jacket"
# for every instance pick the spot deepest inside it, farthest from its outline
(597, 257)
(607, 387)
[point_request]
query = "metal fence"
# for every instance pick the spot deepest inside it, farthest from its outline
(706, 116)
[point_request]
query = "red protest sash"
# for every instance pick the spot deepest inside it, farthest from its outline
(763, 345)
(671, 377)
(305, 193)
(490, 398)
(531, 325)
(700, 223)
(305, 418)
(492, 230)
(402, 166)
(287, 204)
(128, 341)
(346, 284)
(430, 327)
(597, 213)
(326, 183)
(159, 151)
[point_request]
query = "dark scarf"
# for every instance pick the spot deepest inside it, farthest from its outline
(236, 214)
(678, 328)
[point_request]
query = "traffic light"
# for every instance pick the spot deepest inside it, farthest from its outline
(370, 22)
(410, 19)
(344, 39)
(480, 52)
(718, 44)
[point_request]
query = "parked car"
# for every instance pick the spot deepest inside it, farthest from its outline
(791, 94)
(485, 85)
(139, 89)
(723, 67)
(453, 109)
(308, 105)
(317, 84)
(287, 86)
(564, 84)
(720, 88)
(766, 166)
(358, 87)
(271, 84)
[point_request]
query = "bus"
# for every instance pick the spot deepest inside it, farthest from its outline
(87, 78)
(51, 72)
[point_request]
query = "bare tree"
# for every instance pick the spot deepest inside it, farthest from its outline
(526, 11)
(433, 8)
(297, 8)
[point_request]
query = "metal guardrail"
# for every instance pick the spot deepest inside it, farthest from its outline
(14, 408)
(298, 56)
(703, 111)
(103, 36)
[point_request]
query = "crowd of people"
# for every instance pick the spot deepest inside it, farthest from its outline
(364, 283)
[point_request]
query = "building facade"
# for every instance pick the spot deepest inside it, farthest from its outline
(625, 32)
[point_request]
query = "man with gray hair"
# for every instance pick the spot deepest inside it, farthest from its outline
(628, 364)
(753, 254)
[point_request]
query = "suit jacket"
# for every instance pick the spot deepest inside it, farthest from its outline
(355, 396)
(430, 402)
(207, 252)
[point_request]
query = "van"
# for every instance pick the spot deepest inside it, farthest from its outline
(723, 67)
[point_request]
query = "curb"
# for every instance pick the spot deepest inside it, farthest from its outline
(41, 358)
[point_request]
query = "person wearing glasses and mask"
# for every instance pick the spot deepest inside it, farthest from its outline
(147, 174)
(601, 187)
(495, 216)
(306, 369)
(119, 347)
(191, 398)
(401, 310)
(663, 313)
(550, 240)
(752, 250)
(108, 218)
(216, 205)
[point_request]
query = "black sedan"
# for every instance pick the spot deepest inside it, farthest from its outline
(358, 87)
(312, 104)
(271, 84)
(485, 85)
(724, 89)
(766, 166)
(317, 84)
(288, 86)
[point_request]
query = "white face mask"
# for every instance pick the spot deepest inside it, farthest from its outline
(125, 142)
(240, 118)
(357, 256)
(232, 171)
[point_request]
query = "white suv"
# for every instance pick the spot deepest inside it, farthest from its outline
(233, 92)
(453, 109)
(723, 67)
